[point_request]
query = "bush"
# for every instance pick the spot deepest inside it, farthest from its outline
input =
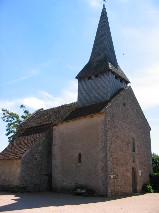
(155, 163)
(154, 180)
(147, 187)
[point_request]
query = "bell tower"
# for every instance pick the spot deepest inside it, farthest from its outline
(101, 77)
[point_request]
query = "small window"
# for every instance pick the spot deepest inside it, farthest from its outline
(133, 145)
(90, 77)
(79, 158)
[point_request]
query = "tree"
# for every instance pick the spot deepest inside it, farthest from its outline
(13, 120)
(155, 163)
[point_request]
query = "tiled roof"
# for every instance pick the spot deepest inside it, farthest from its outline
(86, 110)
(51, 116)
(99, 67)
(93, 68)
(16, 149)
(90, 109)
(32, 129)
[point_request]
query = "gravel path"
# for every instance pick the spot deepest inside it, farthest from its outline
(53, 202)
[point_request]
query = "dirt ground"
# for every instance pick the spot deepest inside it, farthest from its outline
(53, 202)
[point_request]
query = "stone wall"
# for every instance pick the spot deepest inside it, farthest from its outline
(9, 174)
(129, 144)
(36, 165)
(79, 153)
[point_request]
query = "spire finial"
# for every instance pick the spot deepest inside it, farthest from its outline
(104, 1)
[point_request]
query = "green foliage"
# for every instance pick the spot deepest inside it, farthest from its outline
(154, 174)
(154, 180)
(147, 187)
(13, 120)
(155, 163)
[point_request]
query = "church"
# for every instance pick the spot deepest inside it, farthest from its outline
(99, 143)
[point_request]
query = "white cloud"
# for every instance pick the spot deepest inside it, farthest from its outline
(146, 86)
(43, 99)
(7, 104)
(94, 3)
(142, 43)
(33, 102)
(29, 74)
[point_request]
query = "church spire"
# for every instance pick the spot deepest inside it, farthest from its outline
(103, 45)
(103, 56)
(101, 78)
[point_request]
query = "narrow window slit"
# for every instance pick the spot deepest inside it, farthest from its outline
(79, 158)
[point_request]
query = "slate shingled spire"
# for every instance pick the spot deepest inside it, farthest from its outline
(103, 56)
(101, 77)
(103, 45)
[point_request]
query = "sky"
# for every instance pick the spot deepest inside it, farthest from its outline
(45, 43)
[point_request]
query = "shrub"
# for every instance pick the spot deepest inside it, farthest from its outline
(155, 163)
(147, 187)
(154, 180)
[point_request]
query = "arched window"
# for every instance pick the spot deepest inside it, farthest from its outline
(79, 158)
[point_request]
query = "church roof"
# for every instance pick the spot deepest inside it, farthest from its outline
(15, 150)
(51, 116)
(92, 109)
(32, 130)
(86, 110)
(103, 56)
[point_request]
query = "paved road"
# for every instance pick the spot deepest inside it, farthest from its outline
(62, 203)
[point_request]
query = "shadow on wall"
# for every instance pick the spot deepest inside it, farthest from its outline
(38, 200)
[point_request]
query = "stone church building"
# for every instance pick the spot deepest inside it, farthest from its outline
(101, 142)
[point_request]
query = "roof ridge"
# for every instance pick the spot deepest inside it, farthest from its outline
(63, 105)
(28, 118)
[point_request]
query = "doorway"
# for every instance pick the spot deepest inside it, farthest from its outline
(134, 181)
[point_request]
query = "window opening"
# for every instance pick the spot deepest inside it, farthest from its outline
(79, 158)
(133, 145)
(97, 75)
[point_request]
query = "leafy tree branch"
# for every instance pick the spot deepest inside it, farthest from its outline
(13, 120)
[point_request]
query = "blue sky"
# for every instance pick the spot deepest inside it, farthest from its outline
(44, 44)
